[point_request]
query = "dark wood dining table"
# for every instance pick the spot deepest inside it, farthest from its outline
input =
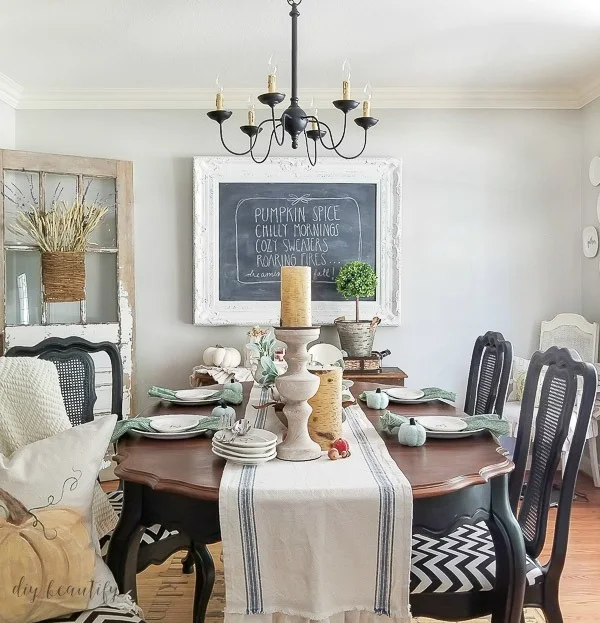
(176, 484)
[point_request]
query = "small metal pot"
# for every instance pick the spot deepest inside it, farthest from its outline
(356, 338)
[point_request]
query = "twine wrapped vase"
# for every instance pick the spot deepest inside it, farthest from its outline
(325, 422)
(63, 276)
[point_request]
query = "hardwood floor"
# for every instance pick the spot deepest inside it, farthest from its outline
(580, 585)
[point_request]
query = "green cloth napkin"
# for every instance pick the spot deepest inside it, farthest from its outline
(229, 394)
(143, 424)
(430, 393)
(390, 421)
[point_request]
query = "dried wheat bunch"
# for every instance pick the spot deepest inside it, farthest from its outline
(64, 227)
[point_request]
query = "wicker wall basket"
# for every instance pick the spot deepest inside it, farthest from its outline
(63, 276)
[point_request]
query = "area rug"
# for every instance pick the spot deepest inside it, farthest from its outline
(166, 594)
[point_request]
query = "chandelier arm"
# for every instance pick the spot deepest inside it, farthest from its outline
(231, 151)
(334, 146)
(261, 160)
(310, 160)
(275, 126)
(356, 155)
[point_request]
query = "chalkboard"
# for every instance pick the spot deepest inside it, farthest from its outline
(263, 226)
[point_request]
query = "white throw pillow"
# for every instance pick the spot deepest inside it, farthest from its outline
(517, 378)
(49, 560)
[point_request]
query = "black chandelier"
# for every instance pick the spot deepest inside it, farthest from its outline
(294, 120)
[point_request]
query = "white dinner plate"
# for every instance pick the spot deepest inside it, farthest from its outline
(174, 423)
(244, 460)
(186, 434)
(347, 383)
(194, 397)
(404, 393)
(453, 434)
(245, 451)
(443, 423)
(256, 438)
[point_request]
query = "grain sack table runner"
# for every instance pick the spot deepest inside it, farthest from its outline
(317, 540)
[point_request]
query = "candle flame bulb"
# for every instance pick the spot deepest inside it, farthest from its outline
(251, 112)
(367, 103)
(314, 111)
(272, 77)
(346, 79)
(219, 98)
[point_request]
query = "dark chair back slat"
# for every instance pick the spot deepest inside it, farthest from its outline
(77, 373)
(561, 371)
(489, 374)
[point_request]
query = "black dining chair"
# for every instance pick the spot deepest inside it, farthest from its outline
(77, 378)
(489, 374)
(453, 576)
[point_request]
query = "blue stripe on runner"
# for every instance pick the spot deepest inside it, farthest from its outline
(387, 517)
(254, 598)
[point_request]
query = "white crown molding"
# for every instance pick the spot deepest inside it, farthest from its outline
(10, 91)
(237, 98)
(589, 93)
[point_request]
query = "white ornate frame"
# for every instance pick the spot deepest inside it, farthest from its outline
(386, 173)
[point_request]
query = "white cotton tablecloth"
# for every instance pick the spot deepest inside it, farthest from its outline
(317, 540)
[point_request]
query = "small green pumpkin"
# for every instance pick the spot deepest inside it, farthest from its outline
(411, 433)
(236, 386)
(225, 413)
(377, 399)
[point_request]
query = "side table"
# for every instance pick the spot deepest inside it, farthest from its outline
(387, 376)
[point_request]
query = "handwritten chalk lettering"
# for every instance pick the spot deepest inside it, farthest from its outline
(283, 235)
(306, 244)
(316, 229)
(280, 214)
(304, 227)
(325, 213)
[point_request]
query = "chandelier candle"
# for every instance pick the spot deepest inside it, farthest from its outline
(296, 310)
(325, 422)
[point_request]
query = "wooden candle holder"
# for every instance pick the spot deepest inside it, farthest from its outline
(295, 387)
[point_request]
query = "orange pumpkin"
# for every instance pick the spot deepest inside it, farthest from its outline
(46, 562)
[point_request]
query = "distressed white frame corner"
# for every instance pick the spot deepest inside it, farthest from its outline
(386, 173)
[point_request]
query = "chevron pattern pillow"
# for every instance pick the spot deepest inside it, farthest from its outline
(99, 615)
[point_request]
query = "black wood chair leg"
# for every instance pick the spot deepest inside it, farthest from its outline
(205, 580)
(509, 546)
(124, 544)
(188, 564)
(551, 607)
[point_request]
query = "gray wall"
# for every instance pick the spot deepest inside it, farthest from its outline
(7, 126)
(590, 291)
(491, 235)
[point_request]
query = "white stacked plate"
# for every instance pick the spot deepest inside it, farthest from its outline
(255, 447)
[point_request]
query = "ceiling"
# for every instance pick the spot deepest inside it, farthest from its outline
(93, 52)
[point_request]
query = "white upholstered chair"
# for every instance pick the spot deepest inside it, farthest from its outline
(574, 332)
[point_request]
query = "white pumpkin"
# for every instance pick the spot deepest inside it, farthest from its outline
(222, 357)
